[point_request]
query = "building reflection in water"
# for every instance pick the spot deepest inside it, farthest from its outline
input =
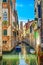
(9, 62)
(1, 63)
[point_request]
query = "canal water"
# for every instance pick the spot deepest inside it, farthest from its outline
(13, 62)
(22, 60)
(18, 60)
(10, 62)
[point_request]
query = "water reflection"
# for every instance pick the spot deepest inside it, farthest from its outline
(22, 62)
(0, 62)
(9, 62)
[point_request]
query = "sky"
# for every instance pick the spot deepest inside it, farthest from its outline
(25, 9)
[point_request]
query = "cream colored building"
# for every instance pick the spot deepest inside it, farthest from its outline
(24, 31)
(0, 27)
(39, 46)
(8, 7)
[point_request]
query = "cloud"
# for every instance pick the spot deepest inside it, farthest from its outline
(19, 5)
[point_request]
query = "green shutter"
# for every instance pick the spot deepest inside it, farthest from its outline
(36, 34)
(5, 32)
(4, 0)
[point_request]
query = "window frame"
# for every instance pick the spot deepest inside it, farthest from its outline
(5, 32)
(5, 0)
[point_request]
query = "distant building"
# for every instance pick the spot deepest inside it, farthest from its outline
(21, 30)
(21, 25)
(28, 25)
(29, 32)
(16, 16)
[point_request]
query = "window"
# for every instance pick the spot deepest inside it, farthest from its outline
(17, 32)
(35, 9)
(5, 32)
(31, 29)
(42, 32)
(4, 0)
(36, 19)
(5, 14)
(41, 49)
(14, 33)
(41, 39)
(4, 42)
(39, 11)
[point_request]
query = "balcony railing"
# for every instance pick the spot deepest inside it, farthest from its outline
(5, 23)
(5, 37)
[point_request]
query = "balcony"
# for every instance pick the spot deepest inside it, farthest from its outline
(5, 5)
(4, 27)
(5, 38)
(5, 46)
(5, 24)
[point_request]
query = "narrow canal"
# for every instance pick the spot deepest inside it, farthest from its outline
(21, 58)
